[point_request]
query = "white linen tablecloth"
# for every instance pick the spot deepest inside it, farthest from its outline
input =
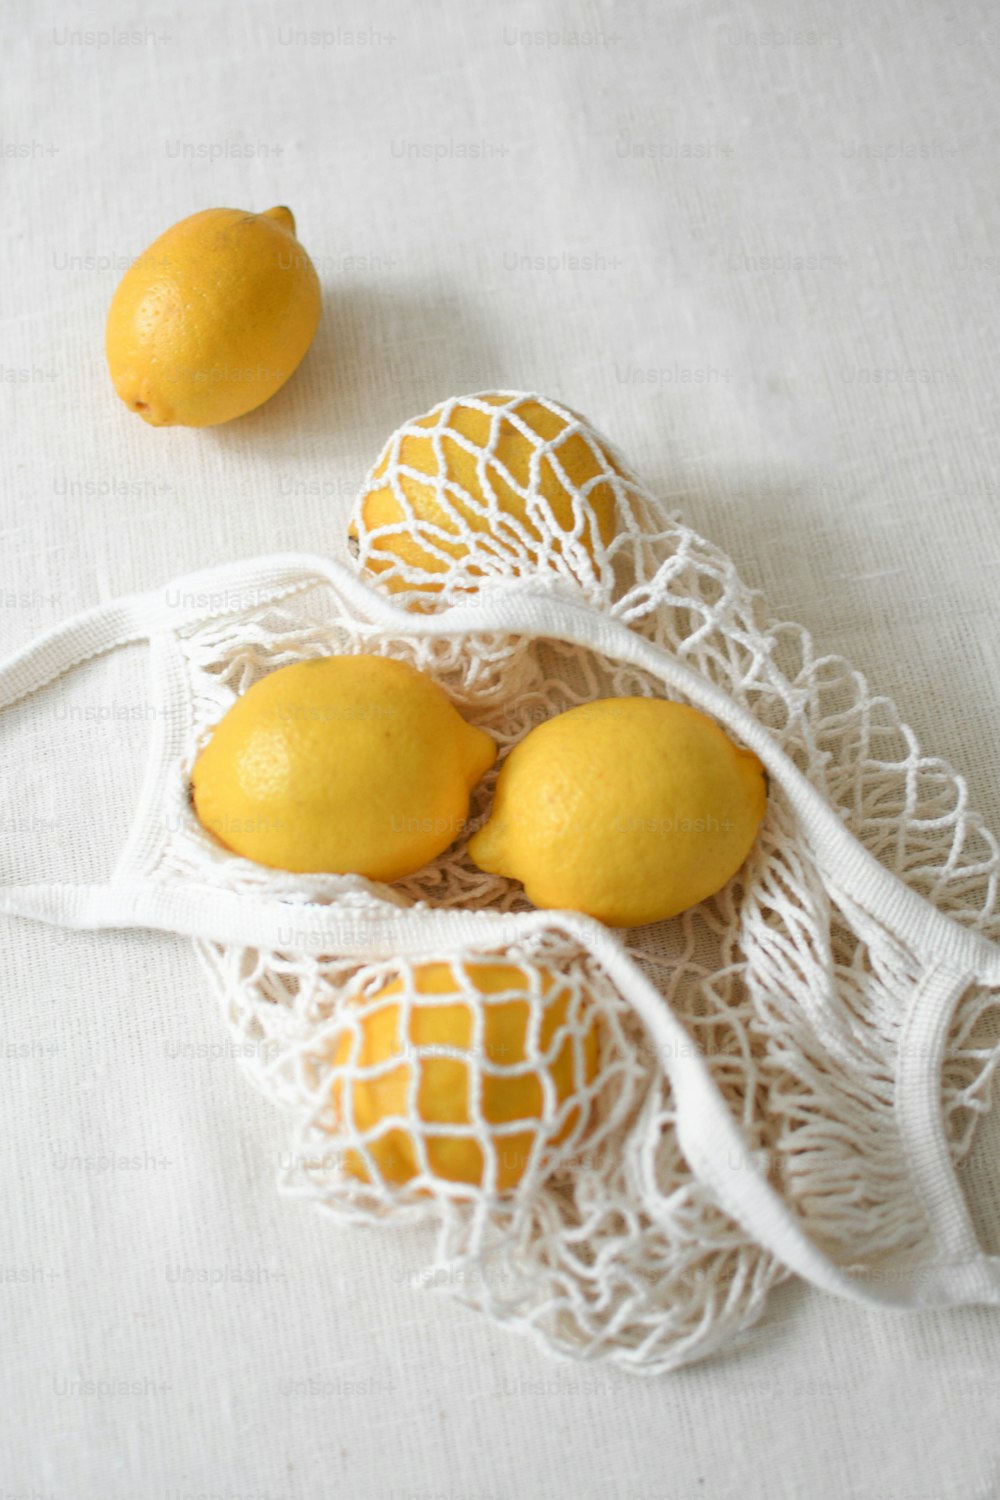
(760, 247)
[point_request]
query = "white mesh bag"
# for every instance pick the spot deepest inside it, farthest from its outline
(780, 1080)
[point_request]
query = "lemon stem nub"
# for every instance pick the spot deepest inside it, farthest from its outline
(282, 216)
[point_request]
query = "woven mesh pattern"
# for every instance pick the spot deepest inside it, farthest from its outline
(466, 1078)
(793, 995)
(490, 488)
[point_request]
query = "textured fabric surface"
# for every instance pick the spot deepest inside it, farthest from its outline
(760, 250)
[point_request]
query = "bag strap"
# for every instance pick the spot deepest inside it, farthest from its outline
(134, 618)
(920, 1053)
(708, 1134)
(846, 862)
(152, 618)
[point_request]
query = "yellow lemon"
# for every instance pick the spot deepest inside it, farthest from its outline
(483, 1081)
(482, 475)
(213, 318)
(346, 764)
(628, 809)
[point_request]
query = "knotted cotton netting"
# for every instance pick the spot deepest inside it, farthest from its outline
(602, 1242)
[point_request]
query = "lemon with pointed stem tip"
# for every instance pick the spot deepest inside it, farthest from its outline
(467, 1075)
(628, 809)
(213, 318)
(344, 765)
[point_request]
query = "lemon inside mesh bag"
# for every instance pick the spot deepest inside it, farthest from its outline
(490, 485)
(466, 1073)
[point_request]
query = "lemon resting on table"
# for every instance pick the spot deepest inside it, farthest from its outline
(341, 764)
(213, 318)
(481, 479)
(628, 809)
(462, 1060)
